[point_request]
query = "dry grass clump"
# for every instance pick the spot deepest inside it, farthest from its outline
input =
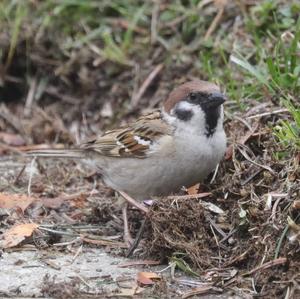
(180, 225)
(258, 195)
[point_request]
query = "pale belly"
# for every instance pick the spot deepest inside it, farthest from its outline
(154, 176)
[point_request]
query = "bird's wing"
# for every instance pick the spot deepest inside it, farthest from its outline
(135, 140)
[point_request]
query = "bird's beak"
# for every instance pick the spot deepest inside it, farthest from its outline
(216, 99)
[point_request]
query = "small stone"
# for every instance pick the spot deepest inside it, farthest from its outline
(231, 241)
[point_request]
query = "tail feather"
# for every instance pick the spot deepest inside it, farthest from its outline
(57, 153)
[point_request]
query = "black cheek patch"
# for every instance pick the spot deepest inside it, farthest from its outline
(184, 115)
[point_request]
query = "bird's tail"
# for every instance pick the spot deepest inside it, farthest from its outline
(57, 153)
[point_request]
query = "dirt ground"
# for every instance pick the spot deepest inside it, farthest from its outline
(27, 273)
(209, 236)
(71, 71)
(93, 273)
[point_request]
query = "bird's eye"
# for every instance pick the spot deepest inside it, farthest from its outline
(193, 97)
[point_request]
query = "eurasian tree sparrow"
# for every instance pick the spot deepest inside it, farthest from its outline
(178, 145)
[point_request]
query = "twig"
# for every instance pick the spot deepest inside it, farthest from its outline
(127, 236)
(140, 263)
(216, 239)
(76, 254)
(203, 3)
(19, 175)
(174, 22)
(246, 156)
(63, 97)
(276, 205)
(13, 79)
(30, 176)
(198, 291)
(154, 17)
(242, 140)
(76, 240)
(219, 230)
(228, 235)
(73, 196)
(267, 113)
(166, 268)
(215, 174)
(57, 231)
(276, 262)
(191, 283)
(244, 122)
(88, 285)
(30, 97)
(104, 242)
(13, 121)
(135, 99)
(12, 149)
(215, 22)
(52, 264)
(192, 196)
(277, 249)
(251, 177)
(246, 137)
(237, 258)
(126, 24)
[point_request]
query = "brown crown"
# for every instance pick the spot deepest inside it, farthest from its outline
(183, 90)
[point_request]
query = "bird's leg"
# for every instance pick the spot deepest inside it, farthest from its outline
(137, 239)
(133, 202)
(132, 244)
(127, 236)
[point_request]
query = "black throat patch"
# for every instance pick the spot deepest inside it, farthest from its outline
(211, 108)
(211, 119)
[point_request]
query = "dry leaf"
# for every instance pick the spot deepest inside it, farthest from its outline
(10, 201)
(229, 152)
(77, 200)
(296, 205)
(220, 3)
(197, 291)
(17, 234)
(52, 203)
(11, 139)
(212, 207)
(138, 263)
(127, 292)
(193, 190)
(34, 147)
(146, 278)
(110, 243)
(294, 231)
(123, 293)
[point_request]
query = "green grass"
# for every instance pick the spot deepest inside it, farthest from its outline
(276, 75)
(288, 132)
(14, 22)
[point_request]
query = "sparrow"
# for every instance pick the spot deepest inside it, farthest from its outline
(175, 146)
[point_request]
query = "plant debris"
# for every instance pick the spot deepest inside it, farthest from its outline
(71, 71)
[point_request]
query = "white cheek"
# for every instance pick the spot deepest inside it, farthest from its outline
(197, 122)
(196, 125)
(185, 106)
(172, 118)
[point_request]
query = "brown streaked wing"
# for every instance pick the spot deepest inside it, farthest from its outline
(124, 142)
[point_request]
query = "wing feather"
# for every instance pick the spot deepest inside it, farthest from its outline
(132, 141)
